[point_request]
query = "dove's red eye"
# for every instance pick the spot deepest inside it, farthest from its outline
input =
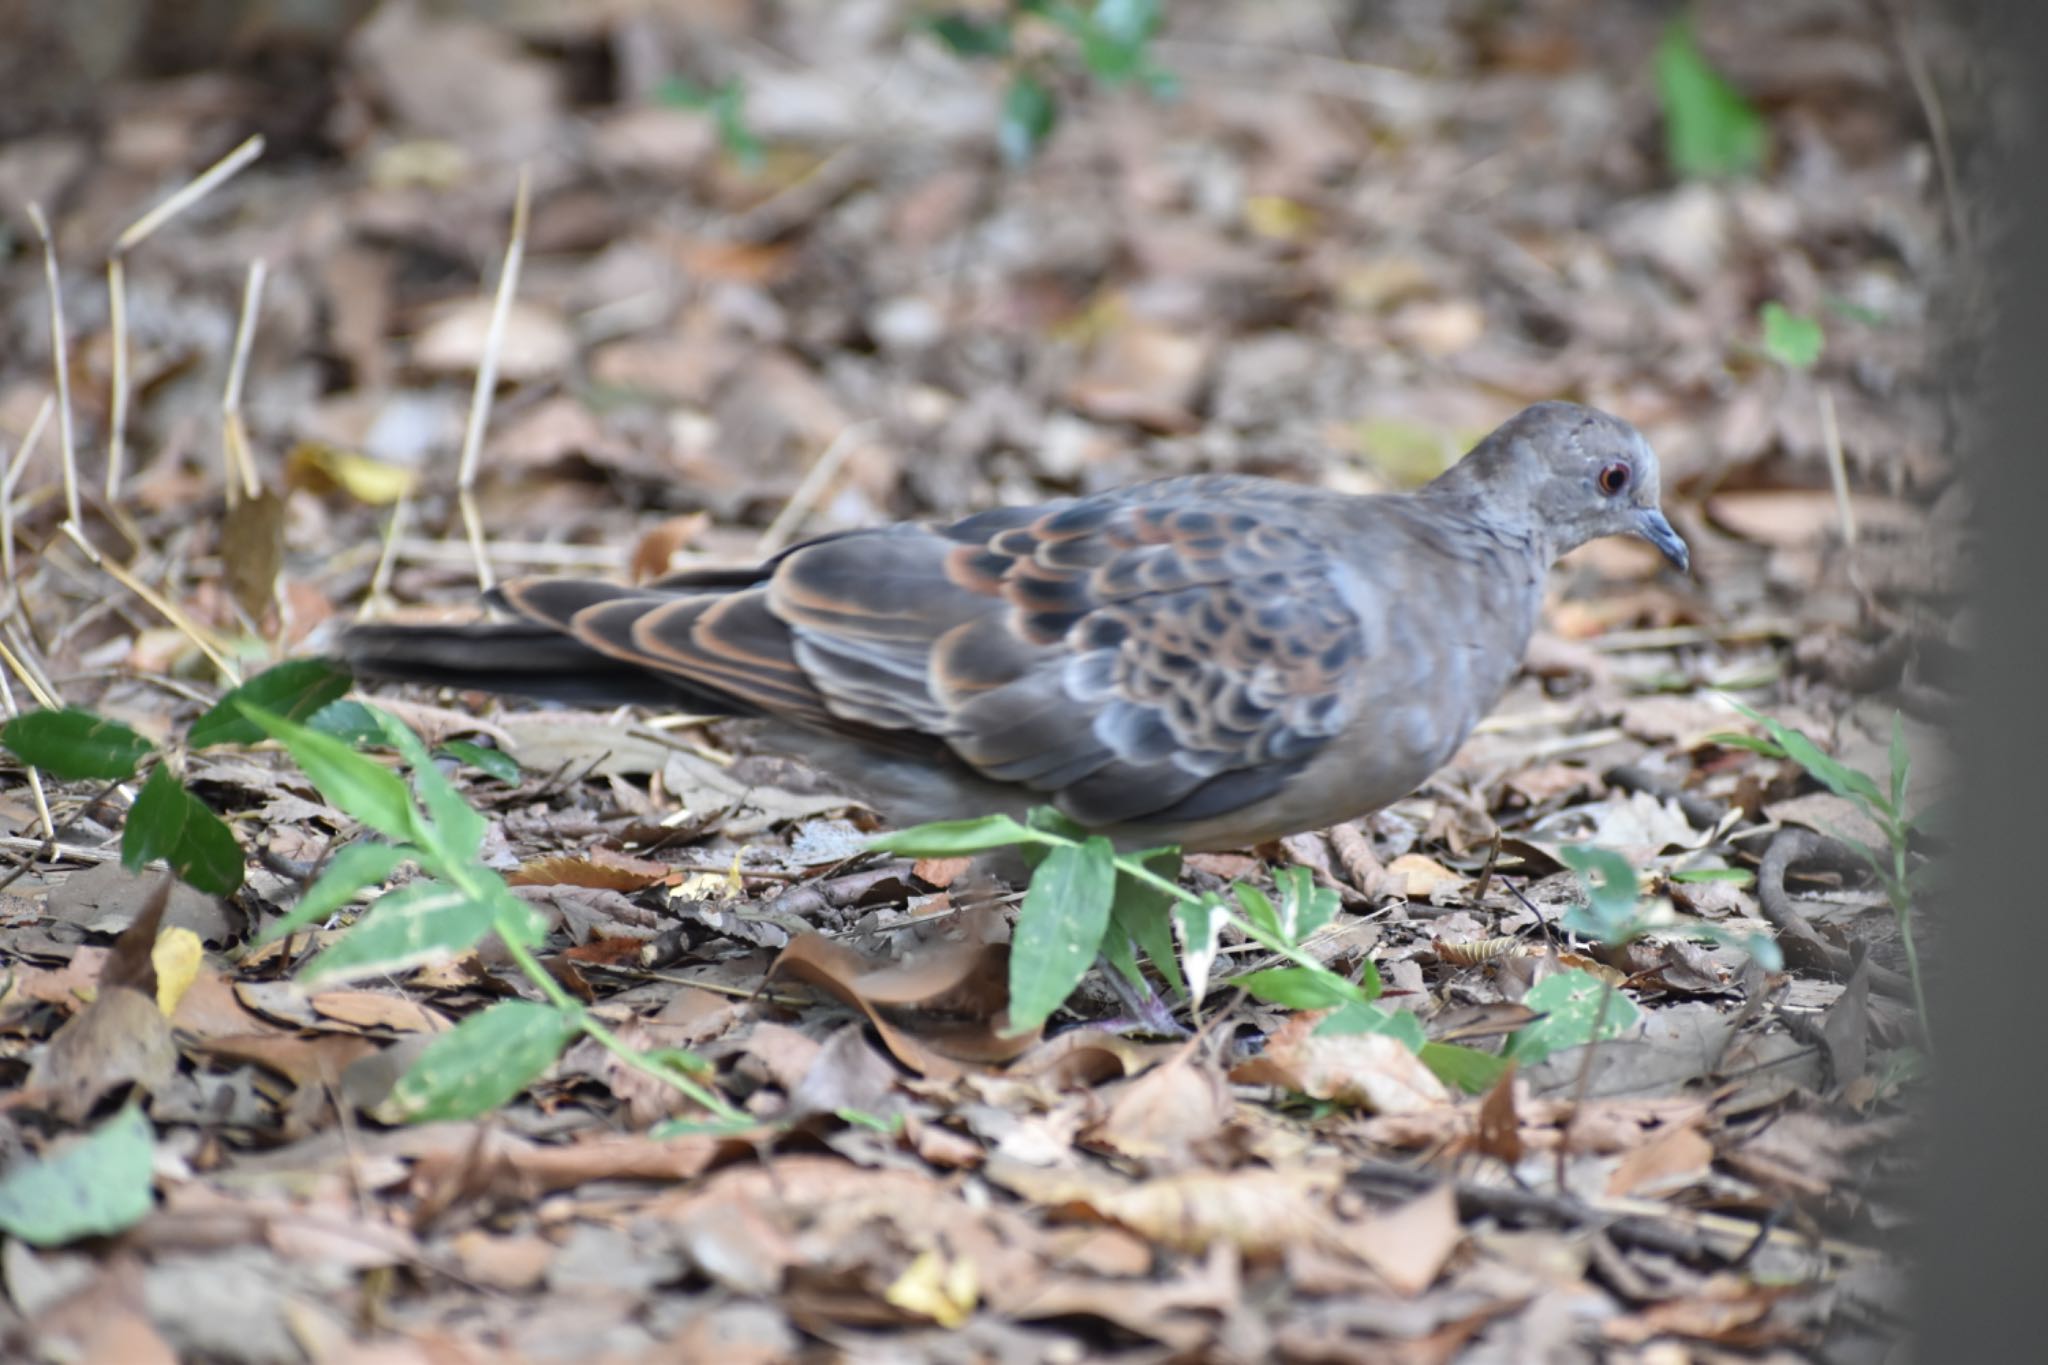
(1614, 478)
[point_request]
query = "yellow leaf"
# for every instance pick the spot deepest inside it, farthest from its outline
(1284, 220)
(318, 467)
(176, 957)
(936, 1288)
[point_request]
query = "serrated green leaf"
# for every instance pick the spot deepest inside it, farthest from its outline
(295, 690)
(492, 762)
(1570, 1001)
(950, 838)
(76, 745)
(1791, 340)
(1709, 128)
(1463, 1068)
(362, 788)
(171, 823)
(1029, 113)
(481, 1063)
(1060, 928)
(421, 922)
(349, 871)
(88, 1187)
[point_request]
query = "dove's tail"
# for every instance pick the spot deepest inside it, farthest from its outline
(525, 658)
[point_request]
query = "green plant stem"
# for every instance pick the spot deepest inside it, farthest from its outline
(1272, 943)
(1902, 907)
(561, 999)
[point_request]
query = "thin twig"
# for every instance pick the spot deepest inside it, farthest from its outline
(1929, 96)
(487, 373)
(380, 577)
(35, 778)
(1838, 467)
(59, 347)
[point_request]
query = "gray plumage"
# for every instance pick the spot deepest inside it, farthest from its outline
(1210, 660)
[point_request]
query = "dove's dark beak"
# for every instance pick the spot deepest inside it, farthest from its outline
(1651, 526)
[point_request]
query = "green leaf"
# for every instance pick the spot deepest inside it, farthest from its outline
(348, 721)
(480, 1063)
(1060, 927)
(1901, 763)
(76, 745)
(1364, 1018)
(1570, 1002)
(1791, 340)
(171, 823)
(364, 789)
(493, 762)
(1836, 776)
(295, 690)
(950, 838)
(348, 872)
(1304, 906)
(1466, 1068)
(735, 134)
(1762, 947)
(967, 36)
(1709, 128)
(1144, 913)
(421, 922)
(1199, 924)
(1300, 988)
(454, 830)
(1611, 893)
(1739, 876)
(1258, 909)
(1029, 113)
(86, 1187)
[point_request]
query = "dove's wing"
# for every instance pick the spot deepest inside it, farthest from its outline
(1167, 654)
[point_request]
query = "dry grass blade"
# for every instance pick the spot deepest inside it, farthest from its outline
(487, 373)
(7, 487)
(188, 194)
(815, 481)
(35, 779)
(162, 605)
(235, 436)
(60, 357)
(117, 399)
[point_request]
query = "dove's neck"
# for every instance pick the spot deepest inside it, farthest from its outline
(1486, 498)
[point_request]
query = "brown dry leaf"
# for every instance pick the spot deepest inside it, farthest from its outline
(654, 553)
(1409, 1247)
(537, 342)
(1087, 1056)
(1370, 1070)
(1792, 518)
(316, 1061)
(1256, 1211)
(1146, 373)
(514, 1263)
(105, 1320)
(1419, 878)
(121, 1038)
(940, 872)
(962, 977)
(1163, 1116)
(1730, 1312)
(378, 1010)
(252, 550)
(1500, 1130)
(1668, 1162)
(598, 869)
(503, 1165)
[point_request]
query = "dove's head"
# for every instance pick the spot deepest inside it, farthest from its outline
(1569, 474)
